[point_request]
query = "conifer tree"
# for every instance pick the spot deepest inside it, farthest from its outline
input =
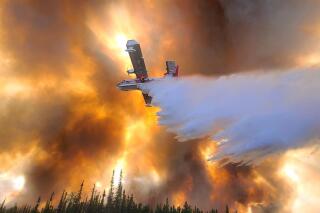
(62, 202)
(102, 198)
(118, 197)
(2, 207)
(166, 206)
(35, 209)
(186, 208)
(48, 205)
(109, 206)
(124, 202)
(78, 199)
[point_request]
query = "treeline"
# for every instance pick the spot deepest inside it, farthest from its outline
(115, 201)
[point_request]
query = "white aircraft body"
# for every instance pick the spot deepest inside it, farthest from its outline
(139, 69)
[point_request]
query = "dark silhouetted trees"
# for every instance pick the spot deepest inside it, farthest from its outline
(117, 201)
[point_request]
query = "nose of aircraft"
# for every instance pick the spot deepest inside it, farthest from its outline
(119, 85)
(122, 85)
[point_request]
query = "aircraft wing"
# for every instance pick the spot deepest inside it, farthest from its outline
(139, 67)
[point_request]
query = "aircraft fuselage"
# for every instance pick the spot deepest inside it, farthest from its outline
(134, 84)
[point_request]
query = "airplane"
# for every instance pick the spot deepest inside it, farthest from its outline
(139, 69)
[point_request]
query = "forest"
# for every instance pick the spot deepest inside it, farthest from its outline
(114, 201)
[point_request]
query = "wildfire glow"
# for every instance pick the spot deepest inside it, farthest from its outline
(179, 198)
(113, 36)
(12, 88)
(208, 150)
(121, 41)
(11, 185)
(309, 60)
(18, 183)
(302, 171)
(98, 184)
(117, 170)
(290, 172)
(130, 145)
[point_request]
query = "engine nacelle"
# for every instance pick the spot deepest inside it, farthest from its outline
(130, 71)
(130, 50)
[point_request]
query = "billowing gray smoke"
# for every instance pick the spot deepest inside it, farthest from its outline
(249, 115)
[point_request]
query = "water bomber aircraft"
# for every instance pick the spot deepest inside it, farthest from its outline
(139, 69)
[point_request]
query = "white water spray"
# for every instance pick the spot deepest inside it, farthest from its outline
(250, 115)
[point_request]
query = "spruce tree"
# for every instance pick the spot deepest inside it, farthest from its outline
(124, 202)
(186, 208)
(118, 197)
(62, 202)
(35, 209)
(109, 206)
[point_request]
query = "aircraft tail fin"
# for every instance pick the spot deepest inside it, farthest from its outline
(172, 68)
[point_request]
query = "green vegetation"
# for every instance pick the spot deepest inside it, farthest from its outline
(117, 201)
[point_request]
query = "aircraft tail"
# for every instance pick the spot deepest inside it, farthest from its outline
(172, 68)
